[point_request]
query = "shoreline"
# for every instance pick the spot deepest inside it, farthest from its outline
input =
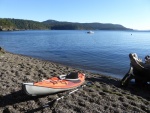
(117, 76)
(105, 95)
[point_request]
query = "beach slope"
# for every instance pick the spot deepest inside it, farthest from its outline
(104, 95)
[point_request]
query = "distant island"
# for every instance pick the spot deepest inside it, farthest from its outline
(9, 24)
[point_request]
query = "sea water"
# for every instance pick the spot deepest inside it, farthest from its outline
(103, 52)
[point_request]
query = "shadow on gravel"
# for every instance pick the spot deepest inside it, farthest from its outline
(16, 97)
(143, 91)
(20, 96)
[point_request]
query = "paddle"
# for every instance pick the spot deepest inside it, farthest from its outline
(52, 104)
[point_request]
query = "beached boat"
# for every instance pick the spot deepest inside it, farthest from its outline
(140, 71)
(90, 32)
(54, 84)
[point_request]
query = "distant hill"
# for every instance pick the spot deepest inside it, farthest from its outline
(20, 24)
(57, 25)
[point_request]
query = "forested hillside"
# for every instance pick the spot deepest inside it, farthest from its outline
(20, 24)
(6, 24)
(82, 26)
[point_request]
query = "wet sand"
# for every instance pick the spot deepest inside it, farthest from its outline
(104, 95)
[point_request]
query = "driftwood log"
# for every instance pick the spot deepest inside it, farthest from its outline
(139, 71)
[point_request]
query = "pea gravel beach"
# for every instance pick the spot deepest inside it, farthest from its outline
(105, 95)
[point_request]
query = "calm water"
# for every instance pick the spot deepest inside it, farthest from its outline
(102, 52)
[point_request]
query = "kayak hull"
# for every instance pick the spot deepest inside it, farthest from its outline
(33, 90)
(49, 87)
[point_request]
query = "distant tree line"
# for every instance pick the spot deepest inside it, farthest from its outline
(57, 25)
(20, 24)
(4, 23)
(14, 24)
(28, 24)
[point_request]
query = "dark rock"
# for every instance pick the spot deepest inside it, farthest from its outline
(2, 50)
(6, 110)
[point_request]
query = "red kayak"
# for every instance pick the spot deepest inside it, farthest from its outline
(55, 84)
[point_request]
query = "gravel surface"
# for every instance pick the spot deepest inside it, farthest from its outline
(104, 95)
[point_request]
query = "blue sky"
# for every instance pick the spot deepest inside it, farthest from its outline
(129, 13)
